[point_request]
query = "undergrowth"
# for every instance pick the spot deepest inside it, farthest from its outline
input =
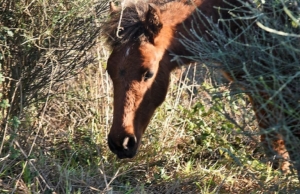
(191, 146)
(203, 139)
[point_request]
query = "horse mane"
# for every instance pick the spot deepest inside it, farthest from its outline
(132, 25)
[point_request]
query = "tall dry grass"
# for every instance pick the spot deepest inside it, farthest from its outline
(195, 142)
(190, 145)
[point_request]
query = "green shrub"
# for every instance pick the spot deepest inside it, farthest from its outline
(262, 56)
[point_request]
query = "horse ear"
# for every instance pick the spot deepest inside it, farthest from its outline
(153, 23)
(112, 7)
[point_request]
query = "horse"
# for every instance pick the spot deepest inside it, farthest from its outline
(144, 38)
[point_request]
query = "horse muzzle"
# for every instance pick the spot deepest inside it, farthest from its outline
(126, 148)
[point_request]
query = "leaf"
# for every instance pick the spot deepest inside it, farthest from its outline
(5, 103)
(15, 122)
(10, 33)
(1, 78)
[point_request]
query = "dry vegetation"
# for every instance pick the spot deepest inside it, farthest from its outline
(56, 112)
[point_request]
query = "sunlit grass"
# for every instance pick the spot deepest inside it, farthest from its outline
(190, 145)
(196, 143)
(203, 139)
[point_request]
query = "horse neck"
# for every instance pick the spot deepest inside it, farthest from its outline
(200, 26)
(173, 19)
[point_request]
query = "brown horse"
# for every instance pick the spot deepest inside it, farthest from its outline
(144, 43)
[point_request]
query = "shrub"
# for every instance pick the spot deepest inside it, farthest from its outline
(262, 56)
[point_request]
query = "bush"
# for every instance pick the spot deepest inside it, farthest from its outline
(262, 56)
(44, 44)
(56, 108)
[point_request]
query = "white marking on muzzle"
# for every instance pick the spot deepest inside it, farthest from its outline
(125, 142)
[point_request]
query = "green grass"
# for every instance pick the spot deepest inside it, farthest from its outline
(190, 146)
(203, 139)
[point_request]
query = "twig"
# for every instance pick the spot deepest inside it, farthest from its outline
(281, 33)
(7, 116)
(32, 165)
(37, 133)
(119, 28)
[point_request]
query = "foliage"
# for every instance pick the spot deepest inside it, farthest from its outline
(263, 59)
(56, 107)
(44, 43)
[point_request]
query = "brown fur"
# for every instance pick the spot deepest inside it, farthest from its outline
(148, 38)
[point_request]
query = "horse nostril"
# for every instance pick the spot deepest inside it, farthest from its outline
(129, 142)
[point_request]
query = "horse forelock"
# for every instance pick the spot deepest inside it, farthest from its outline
(131, 28)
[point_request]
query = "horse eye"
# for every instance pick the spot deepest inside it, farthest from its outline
(148, 75)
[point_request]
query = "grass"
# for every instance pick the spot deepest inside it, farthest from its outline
(203, 139)
(191, 145)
